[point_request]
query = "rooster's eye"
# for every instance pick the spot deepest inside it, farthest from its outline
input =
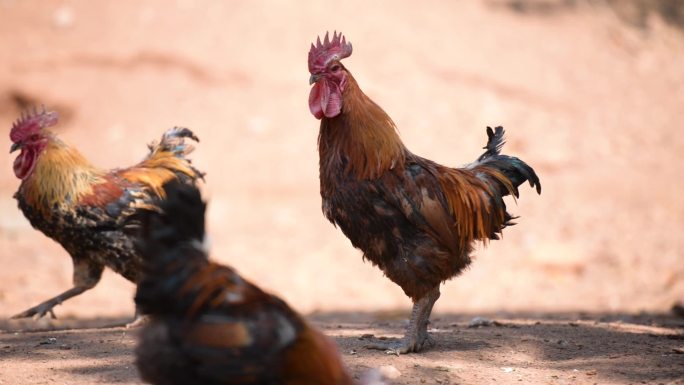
(335, 68)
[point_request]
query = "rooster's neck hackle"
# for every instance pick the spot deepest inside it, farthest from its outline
(61, 176)
(362, 139)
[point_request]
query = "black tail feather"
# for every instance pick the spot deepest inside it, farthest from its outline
(495, 142)
(177, 219)
(515, 169)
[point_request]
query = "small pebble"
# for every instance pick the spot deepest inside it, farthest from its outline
(49, 341)
(479, 322)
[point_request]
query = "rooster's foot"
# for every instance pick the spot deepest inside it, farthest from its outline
(408, 344)
(46, 307)
(38, 311)
(417, 337)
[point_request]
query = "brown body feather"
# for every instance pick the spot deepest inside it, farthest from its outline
(417, 220)
(363, 140)
(209, 325)
(224, 330)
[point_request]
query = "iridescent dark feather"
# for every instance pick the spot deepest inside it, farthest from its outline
(210, 326)
(515, 170)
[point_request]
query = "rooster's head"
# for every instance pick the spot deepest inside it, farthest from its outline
(28, 135)
(328, 75)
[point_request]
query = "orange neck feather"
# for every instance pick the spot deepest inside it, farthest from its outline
(61, 176)
(362, 138)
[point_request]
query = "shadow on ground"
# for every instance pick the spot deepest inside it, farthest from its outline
(526, 346)
(615, 347)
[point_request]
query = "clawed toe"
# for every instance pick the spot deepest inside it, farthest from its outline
(36, 312)
(427, 341)
(45, 307)
(404, 346)
(393, 348)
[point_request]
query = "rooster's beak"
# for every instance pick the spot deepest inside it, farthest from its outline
(314, 78)
(15, 147)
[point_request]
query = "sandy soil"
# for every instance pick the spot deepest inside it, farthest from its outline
(591, 96)
(514, 348)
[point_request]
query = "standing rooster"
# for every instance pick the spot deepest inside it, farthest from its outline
(85, 208)
(415, 219)
(207, 324)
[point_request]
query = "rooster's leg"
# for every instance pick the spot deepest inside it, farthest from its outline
(46, 307)
(87, 274)
(416, 337)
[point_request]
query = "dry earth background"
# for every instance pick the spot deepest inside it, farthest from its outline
(591, 94)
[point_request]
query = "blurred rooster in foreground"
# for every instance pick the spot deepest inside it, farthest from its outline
(415, 219)
(207, 324)
(84, 208)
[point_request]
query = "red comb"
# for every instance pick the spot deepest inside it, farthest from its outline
(322, 53)
(31, 122)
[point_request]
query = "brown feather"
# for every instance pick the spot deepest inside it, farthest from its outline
(225, 335)
(471, 203)
(313, 359)
(103, 193)
(216, 327)
(364, 135)
(159, 168)
(415, 219)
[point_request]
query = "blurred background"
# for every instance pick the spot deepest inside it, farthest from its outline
(591, 94)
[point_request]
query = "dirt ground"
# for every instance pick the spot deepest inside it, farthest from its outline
(513, 348)
(590, 92)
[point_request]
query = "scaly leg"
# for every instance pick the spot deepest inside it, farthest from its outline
(46, 307)
(87, 274)
(416, 337)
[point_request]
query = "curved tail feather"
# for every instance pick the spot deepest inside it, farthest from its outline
(173, 140)
(515, 170)
(166, 161)
(171, 151)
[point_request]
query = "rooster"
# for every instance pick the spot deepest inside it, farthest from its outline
(84, 208)
(413, 218)
(207, 324)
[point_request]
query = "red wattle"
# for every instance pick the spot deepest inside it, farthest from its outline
(325, 99)
(333, 103)
(24, 163)
(315, 96)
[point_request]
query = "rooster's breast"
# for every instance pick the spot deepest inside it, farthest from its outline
(370, 215)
